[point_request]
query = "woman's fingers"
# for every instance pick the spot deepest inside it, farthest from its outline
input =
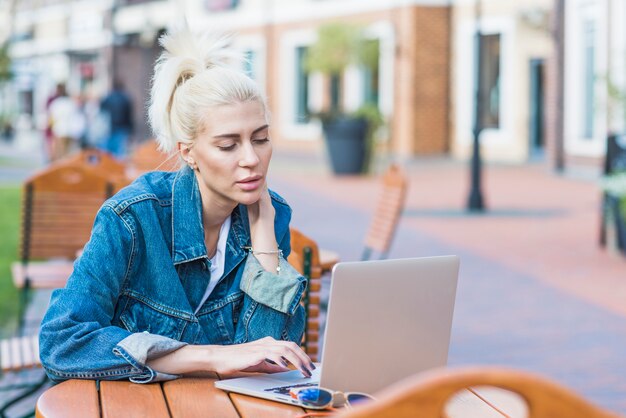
(266, 367)
(292, 353)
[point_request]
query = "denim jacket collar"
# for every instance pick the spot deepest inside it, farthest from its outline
(187, 229)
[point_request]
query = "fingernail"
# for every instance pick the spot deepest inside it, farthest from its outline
(285, 362)
(312, 366)
(270, 361)
(307, 372)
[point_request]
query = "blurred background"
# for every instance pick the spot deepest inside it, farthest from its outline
(507, 115)
(552, 71)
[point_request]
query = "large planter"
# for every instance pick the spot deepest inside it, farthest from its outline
(346, 140)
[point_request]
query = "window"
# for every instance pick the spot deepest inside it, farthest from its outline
(248, 63)
(302, 87)
(490, 81)
(589, 53)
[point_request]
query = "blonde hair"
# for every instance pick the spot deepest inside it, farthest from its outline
(191, 75)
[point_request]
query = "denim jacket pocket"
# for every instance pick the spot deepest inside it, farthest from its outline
(219, 319)
(142, 315)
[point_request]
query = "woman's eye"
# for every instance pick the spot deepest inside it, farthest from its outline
(260, 140)
(226, 147)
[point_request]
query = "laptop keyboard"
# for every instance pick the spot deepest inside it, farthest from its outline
(284, 390)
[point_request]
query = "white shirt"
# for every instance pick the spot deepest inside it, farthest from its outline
(217, 262)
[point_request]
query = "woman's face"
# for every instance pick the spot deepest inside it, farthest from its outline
(232, 153)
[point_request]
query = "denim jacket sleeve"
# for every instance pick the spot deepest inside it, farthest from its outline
(281, 292)
(77, 338)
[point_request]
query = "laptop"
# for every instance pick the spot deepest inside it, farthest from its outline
(386, 320)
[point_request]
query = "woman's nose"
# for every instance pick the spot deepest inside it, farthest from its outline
(249, 157)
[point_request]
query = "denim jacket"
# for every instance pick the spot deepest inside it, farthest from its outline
(134, 290)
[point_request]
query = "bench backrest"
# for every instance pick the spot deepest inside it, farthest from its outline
(304, 257)
(387, 213)
(58, 210)
(427, 394)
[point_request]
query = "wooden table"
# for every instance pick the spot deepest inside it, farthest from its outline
(198, 397)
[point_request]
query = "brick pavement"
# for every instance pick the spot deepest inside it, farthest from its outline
(535, 291)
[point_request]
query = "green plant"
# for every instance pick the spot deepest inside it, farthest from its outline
(5, 64)
(615, 185)
(338, 46)
(9, 230)
(617, 97)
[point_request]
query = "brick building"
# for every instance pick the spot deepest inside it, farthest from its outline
(411, 87)
(516, 43)
(592, 48)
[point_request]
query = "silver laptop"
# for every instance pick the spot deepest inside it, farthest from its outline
(386, 320)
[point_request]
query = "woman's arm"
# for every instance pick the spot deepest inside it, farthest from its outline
(262, 236)
(77, 339)
(265, 355)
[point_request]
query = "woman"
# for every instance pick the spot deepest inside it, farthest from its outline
(185, 272)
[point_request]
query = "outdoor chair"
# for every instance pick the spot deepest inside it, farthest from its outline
(389, 207)
(304, 258)
(58, 209)
(387, 213)
(426, 395)
(100, 162)
(146, 157)
(614, 162)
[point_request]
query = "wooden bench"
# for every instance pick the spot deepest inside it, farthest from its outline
(19, 353)
(304, 258)
(58, 209)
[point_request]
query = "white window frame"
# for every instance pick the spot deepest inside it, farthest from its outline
(289, 128)
(258, 45)
(575, 141)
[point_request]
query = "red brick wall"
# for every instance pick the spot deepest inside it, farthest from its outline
(432, 80)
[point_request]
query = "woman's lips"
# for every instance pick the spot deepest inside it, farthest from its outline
(250, 184)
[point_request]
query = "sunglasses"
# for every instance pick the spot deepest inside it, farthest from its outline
(321, 398)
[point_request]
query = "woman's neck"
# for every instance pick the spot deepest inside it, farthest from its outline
(214, 211)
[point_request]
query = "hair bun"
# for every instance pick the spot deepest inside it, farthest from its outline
(204, 67)
(196, 52)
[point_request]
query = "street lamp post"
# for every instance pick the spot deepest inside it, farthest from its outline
(475, 201)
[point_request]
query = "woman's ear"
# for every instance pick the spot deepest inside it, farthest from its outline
(185, 151)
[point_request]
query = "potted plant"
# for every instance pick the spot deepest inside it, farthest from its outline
(349, 135)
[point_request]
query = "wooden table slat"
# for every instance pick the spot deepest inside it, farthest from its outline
(198, 397)
(195, 397)
(250, 407)
(71, 399)
(129, 400)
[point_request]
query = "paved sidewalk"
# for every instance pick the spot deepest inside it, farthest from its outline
(535, 290)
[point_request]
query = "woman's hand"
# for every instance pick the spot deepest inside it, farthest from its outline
(266, 355)
(262, 210)
(262, 236)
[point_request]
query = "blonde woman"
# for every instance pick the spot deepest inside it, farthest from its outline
(185, 272)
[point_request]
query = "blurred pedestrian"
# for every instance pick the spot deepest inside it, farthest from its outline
(48, 135)
(66, 122)
(118, 106)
